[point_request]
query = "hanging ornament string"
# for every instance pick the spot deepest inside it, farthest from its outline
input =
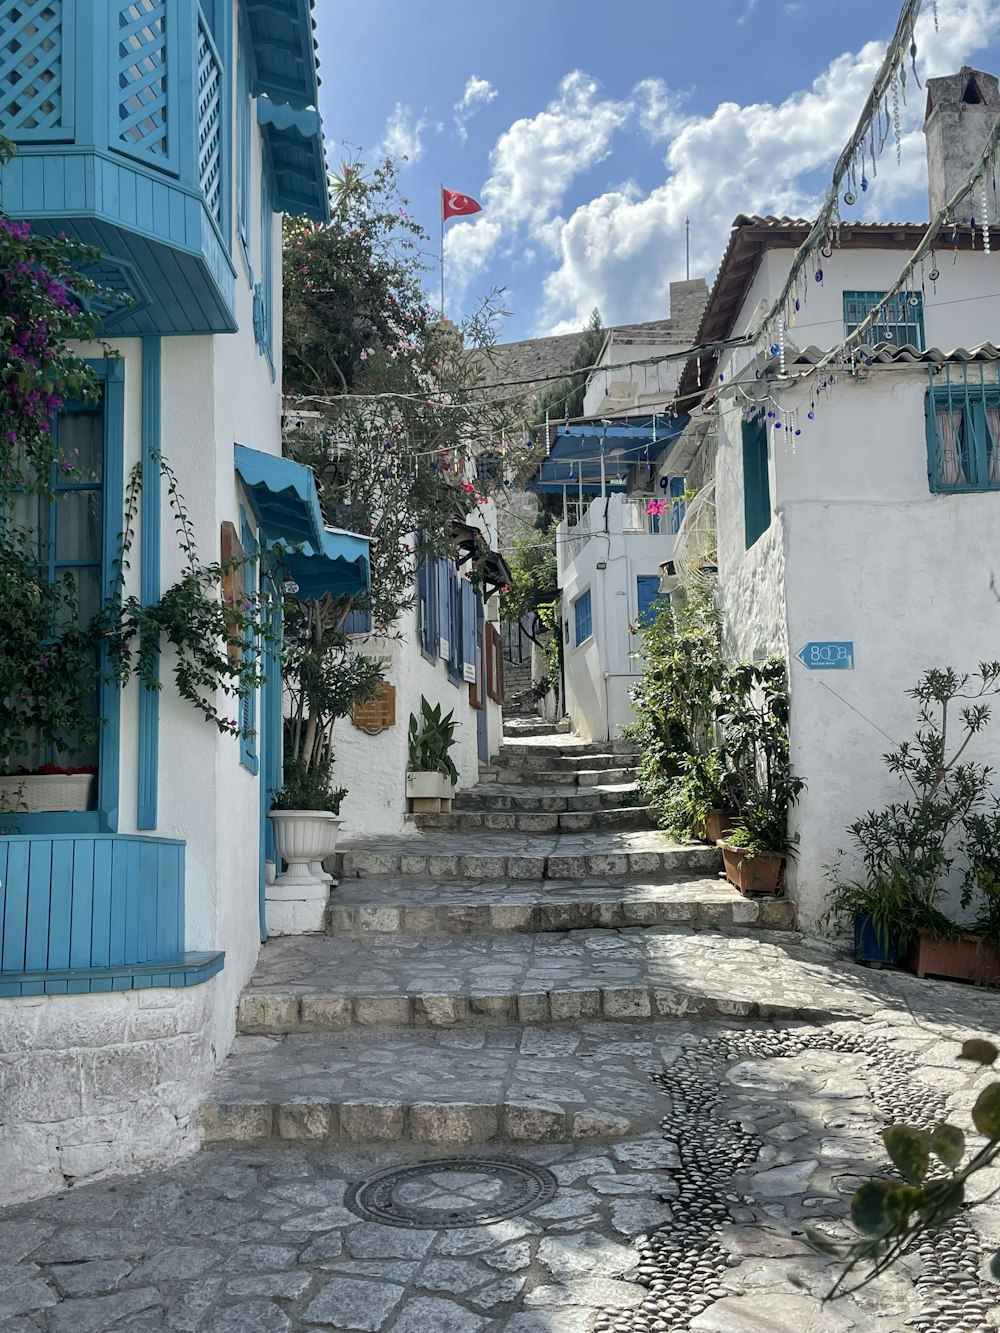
(985, 164)
(885, 79)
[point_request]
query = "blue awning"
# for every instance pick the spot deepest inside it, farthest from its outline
(285, 64)
(574, 460)
(295, 139)
(283, 497)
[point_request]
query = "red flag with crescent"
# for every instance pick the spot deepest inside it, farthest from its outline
(456, 205)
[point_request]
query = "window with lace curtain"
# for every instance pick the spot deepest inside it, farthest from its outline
(963, 434)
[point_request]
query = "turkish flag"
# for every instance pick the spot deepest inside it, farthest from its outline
(455, 205)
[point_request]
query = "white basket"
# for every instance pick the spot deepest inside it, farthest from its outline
(35, 792)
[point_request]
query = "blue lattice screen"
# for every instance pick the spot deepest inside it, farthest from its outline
(31, 68)
(142, 77)
(209, 123)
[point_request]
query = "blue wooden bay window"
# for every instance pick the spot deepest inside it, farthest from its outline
(756, 480)
(582, 617)
(962, 417)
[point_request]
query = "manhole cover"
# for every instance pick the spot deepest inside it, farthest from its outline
(452, 1192)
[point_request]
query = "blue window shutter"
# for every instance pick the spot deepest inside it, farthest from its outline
(426, 593)
(756, 482)
(583, 618)
(358, 622)
(677, 505)
(443, 619)
(468, 630)
(648, 597)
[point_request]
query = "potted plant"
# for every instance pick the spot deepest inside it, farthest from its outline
(753, 714)
(431, 776)
(754, 851)
(909, 847)
(49, 678)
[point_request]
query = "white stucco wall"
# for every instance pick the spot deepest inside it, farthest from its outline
(600, 671)
(96, 1085)
(373, 768)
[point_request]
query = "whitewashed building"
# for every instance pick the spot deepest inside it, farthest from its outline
(858, 504)
(607, 470)
(129, 927)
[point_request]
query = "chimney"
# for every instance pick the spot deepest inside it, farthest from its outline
(961, 109)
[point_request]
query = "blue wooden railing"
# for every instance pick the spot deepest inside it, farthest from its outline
(94, 912)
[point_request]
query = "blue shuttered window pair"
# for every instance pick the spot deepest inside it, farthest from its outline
(963, 433)
(582, 614)
(447, 614)
(243, 152)
(756, 480)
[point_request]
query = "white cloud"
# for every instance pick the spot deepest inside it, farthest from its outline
(533, 164)
(403, 134)
(478, 93)
(620, 250)
(750, 6)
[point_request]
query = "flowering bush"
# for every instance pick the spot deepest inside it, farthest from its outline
(43, 302)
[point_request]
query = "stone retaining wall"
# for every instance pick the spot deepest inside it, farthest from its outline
(94, 1085)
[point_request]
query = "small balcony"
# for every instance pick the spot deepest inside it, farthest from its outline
(121, 115)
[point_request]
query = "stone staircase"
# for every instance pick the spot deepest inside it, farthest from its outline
(510, 972)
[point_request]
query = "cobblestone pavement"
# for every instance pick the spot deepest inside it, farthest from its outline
(694, 1225)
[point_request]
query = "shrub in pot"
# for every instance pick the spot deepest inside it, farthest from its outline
(754, 852)
(431, 775)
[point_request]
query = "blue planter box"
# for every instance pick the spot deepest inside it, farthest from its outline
(868, 948)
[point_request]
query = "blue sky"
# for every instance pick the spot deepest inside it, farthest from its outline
(590, 130)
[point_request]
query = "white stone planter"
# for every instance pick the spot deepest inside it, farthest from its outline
(33, 792)
(295, 902)
(429, 793)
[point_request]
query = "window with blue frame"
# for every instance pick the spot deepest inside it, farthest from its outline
(901, 321)
(248, 702)
(649, 599)
(427, 607)
(582, 618)
(263, 310)
(66, 534)
(756, 479)
(963, 433)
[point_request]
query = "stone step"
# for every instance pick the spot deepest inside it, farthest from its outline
(570, 821)
(565, 746)
(494, 856)
(537, 800)
(469, 982)
(422, 907)
(557, 761)
(580, 777)
(454, 1088)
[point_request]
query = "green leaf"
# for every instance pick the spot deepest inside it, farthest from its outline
(868, 1208)
(986, 1112)
(976, 1048)
(942, 1199)
(995, 1267)
(948, 1143)
(901, 1202)
(909, 1149)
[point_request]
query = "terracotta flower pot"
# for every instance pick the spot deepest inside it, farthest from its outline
(967, 958)
(718, 823)
(752, 872)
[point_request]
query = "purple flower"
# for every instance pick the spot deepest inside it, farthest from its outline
(65, 465)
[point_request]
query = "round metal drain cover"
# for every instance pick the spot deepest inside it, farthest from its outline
(452, 1192)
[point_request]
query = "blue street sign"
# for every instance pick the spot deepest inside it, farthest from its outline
(829, 655)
